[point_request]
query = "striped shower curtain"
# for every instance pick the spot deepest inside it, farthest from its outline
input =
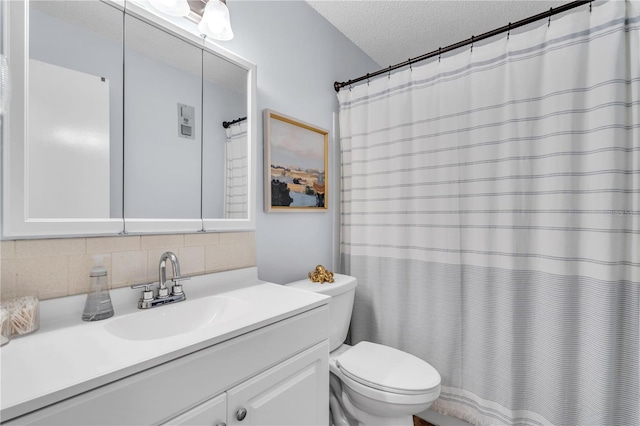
(236, 172)
(491, 214)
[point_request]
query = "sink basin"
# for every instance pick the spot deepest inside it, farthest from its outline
(179, 318)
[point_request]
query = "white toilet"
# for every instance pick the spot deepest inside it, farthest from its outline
(371, 384)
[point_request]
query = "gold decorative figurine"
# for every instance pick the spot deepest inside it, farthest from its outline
(321, 275)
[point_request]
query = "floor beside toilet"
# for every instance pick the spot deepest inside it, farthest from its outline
(417, 421)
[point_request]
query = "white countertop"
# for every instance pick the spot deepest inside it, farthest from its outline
(68, 356)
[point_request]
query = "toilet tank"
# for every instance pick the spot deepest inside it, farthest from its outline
(342, 292)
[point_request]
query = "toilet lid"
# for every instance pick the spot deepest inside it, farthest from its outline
(388, 369)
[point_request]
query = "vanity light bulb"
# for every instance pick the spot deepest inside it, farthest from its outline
(215, 22)
(171, 7)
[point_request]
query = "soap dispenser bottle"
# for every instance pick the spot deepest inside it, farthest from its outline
(98, 305)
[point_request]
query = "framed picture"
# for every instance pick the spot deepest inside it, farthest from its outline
(296, 161)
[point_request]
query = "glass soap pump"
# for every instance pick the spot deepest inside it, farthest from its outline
(98, 305)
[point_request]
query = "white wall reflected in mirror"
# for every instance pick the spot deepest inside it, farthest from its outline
(68, 146)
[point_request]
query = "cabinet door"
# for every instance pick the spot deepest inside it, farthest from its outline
(294, 392)
(210, 413)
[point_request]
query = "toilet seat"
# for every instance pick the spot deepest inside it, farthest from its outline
(387, 374)
(387, 369)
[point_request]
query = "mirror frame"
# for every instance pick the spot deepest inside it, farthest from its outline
(15, 223)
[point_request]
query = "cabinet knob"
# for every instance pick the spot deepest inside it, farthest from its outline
(241, 414)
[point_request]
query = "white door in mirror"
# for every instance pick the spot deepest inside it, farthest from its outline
(68, 171)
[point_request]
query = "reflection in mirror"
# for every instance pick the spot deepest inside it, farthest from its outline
(224, 150)
(74, 125)
(163, 99)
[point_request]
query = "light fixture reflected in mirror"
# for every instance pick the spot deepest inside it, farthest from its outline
(215, 22)
(171, 7)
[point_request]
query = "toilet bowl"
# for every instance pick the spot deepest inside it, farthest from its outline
(381, 385)
(371, 384)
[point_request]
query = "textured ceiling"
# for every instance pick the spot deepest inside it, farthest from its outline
(393, 31)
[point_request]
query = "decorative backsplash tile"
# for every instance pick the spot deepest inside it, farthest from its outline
(60, 267)
(129, 267)
(28, 249)
(203, 239)
(111, 244)
(191, 259)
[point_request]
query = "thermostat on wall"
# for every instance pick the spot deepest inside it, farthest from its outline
(186, 121)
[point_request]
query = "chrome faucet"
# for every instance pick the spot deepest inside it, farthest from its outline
(163, 291)
(149, 299)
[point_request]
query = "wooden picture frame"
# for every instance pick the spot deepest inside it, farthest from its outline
(296, 162)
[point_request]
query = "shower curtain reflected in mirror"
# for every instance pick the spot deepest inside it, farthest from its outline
(236, 172)
(491, 214)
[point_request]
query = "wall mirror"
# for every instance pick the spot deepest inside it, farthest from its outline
(115, 124)
(224, 143)
(62, 150)
(163, 87)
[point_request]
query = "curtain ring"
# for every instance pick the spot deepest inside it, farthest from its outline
(472, 43)
(509, 31)
(550, 12)
(367, 79)
(410, 65)
(590, 6)
(349, 86)
(389, 72)
(439, 53)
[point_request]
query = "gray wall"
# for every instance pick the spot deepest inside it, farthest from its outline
(299, 55)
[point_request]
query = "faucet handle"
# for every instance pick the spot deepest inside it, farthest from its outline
(176, 290)
(147, 294)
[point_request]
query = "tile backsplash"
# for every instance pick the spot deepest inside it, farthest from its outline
(60, 267)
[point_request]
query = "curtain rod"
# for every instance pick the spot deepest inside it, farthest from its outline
(226, 124)
(553, 11)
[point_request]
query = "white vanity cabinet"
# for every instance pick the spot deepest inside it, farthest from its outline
(291, 393)
(278, 373)
(211, 413)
